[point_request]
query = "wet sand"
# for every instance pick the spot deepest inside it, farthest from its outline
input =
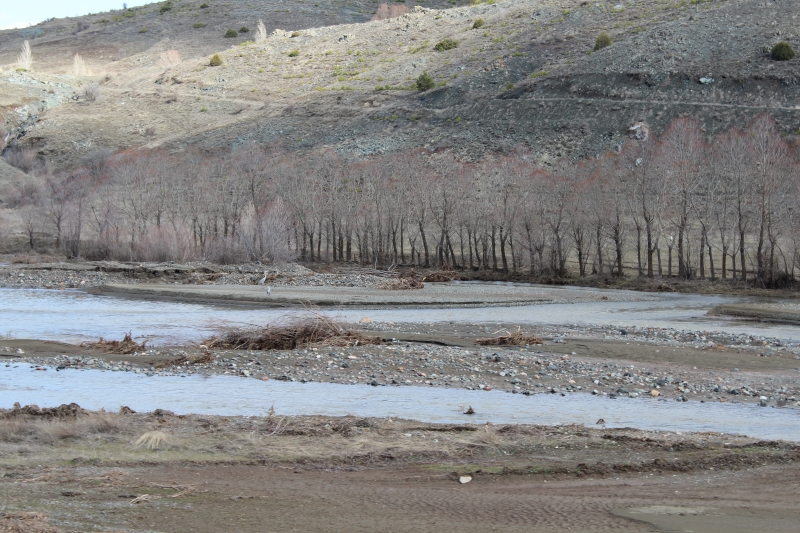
(776, 314)
(432, 295)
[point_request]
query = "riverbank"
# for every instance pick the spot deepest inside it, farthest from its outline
(48, 273)
(72, 470)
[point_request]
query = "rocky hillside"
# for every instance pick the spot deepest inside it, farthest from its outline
(523, 72)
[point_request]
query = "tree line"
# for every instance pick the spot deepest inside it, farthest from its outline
(680, 204)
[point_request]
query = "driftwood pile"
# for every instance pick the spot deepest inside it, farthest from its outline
(516, 338)
(301, 332)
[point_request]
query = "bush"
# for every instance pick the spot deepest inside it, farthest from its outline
(166, 6)
(446, 44)
(424, 82)
(478, 24)
(199, 25)
(231, 33)
(90, 92)
(782, 51)
(244, 29)
(603, 40)
(216, 60)
(294, 53)
(143, 29)
(204, 5)
(295, 34)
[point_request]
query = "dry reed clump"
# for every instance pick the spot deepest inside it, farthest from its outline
(261, 32)
(26, 522)
(516, 338)
(79, 66)
(126, 346)
(25, 57)
(311, 331)
(152, 440)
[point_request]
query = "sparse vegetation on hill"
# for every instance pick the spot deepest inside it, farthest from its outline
(216, 60)
(425, 82)
(231, 33)
(782, 51)
(603, 41)
(445, 44)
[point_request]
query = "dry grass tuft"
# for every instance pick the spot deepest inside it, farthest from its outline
(152, 440)
(26, 522)
(91, 92)
(310, 331)
(126, 346)
(516, 338)
(40, 425)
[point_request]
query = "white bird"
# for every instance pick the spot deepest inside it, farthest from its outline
(269, 290)
(264, 279)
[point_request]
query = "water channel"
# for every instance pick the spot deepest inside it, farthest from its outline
(228, 395)
(71, 315)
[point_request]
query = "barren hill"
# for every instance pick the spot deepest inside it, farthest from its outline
(326, 77)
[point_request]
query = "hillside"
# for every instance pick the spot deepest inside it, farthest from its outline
(527, 76)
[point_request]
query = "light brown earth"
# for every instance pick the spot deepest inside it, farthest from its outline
(316, 474)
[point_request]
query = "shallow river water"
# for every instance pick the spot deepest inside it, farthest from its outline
(228, 395)
(72, 315)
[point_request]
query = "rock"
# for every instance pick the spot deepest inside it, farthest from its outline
(464, 479)
(365, 320)
(706, 81)
(469, 411)
(654, 393)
